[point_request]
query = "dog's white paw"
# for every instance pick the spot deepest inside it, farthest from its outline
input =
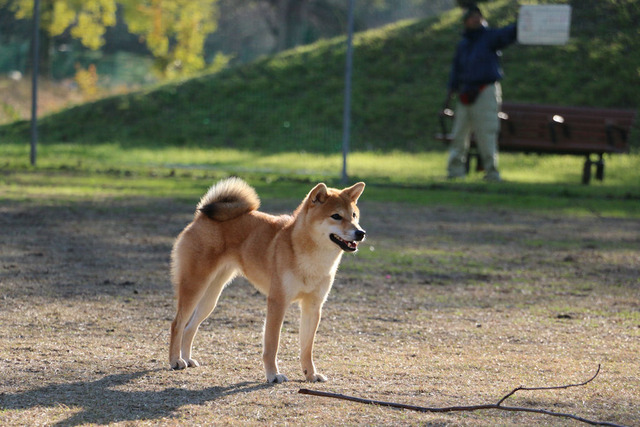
(178, 364)
(316, 378)
(277, 379)
(181, 364)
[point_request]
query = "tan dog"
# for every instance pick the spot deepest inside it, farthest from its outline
(289, 258)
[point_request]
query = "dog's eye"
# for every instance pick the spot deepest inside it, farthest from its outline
(337, 217)
(354, 215)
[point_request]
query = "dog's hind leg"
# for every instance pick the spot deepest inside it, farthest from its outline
(205, 307)
(186, 307)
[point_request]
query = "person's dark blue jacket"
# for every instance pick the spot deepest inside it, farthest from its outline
(476, 61)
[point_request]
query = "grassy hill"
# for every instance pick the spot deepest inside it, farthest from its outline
(293, 101)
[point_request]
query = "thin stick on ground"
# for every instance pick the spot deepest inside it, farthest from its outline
(498, 405)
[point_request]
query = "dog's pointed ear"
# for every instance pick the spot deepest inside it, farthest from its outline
(354, 191)
(318, 194)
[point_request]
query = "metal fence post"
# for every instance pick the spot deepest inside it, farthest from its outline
(346, 119)
(34, 84)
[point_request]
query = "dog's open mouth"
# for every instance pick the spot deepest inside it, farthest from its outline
(345, 245)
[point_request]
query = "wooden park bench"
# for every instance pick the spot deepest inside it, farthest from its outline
(551, 129)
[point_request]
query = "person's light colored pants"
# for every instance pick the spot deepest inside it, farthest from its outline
(481, 119)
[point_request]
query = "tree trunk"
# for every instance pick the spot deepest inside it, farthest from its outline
(288, 19)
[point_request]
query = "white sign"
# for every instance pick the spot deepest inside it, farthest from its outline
(544, 24)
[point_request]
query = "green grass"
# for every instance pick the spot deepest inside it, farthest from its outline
(99, 171)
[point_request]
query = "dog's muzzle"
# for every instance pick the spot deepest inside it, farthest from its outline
(349, 245)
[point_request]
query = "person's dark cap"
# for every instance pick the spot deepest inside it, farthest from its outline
(470, 11)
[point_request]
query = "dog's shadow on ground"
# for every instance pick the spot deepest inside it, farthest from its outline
(101, 402)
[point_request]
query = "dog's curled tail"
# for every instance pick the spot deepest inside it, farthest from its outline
(229, 199)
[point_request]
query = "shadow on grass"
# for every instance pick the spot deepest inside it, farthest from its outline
(101, 402)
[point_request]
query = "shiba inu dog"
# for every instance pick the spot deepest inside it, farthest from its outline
(289, 258)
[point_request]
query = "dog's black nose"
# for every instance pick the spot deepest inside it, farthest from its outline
(360, 234)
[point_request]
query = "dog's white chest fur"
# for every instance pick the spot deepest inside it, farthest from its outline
(297, 286)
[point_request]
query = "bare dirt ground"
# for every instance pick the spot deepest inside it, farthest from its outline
(440, 307)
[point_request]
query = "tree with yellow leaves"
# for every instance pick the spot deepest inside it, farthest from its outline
(173, 30)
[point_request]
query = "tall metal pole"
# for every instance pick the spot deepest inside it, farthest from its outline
(34, 83)
(346, 119)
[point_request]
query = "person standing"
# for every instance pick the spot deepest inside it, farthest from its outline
(475, 76)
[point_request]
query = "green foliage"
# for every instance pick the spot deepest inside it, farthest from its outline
(467, 3)
(293, 101)
(87, 19)
(186, 23)
(174, 30)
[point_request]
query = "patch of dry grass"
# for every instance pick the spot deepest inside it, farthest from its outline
(52, 96)
(440, 307)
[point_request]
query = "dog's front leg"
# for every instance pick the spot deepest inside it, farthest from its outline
(276, 307)
(311, 308)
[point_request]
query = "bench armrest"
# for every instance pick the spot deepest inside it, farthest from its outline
(611, 129)
(555, 122)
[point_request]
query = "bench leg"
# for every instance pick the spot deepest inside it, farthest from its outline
(586, 171)
(600, 169)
